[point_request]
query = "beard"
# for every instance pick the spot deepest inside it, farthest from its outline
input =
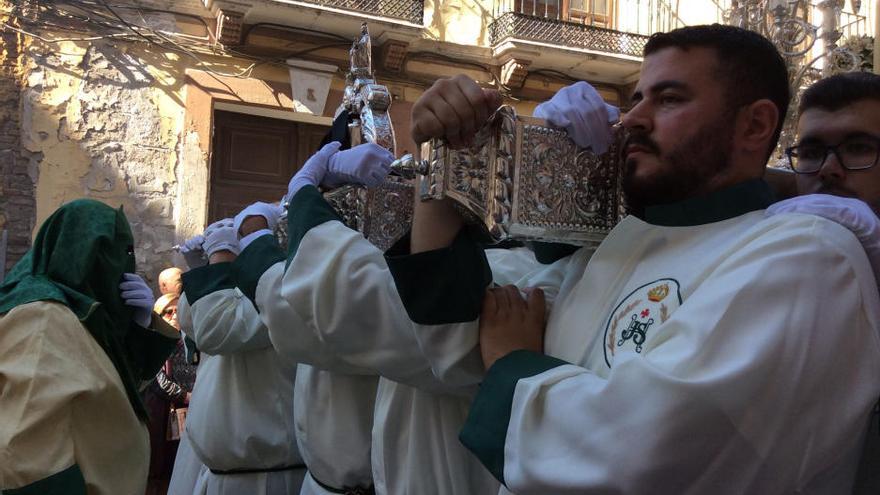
(684, 170)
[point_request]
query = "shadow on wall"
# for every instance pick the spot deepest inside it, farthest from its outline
(103, 123)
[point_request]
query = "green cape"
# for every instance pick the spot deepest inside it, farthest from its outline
(78, 259)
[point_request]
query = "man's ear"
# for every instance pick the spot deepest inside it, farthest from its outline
(756, 124)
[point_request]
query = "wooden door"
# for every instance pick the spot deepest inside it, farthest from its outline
(253, 159)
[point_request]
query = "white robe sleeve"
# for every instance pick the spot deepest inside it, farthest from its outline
(216, 315)
(337, 306)
(345, 306)
(733, 386)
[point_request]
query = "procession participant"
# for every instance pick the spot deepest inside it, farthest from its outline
(332, 413)
(836, 164)
(334, 405)
(77, 338)
(239, 423)
(417, 461)
(415, 446)
(690, 343)
(187, 465)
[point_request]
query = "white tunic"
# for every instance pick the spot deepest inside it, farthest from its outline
(334, 422)
(734, 357)
(337, 307)
(240, 414)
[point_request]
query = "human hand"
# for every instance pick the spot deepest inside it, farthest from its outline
(454, 109)
(581, 111)
(137, 294)
(851, 213)
(268, 211)
(193, 253)
(366, 164)
(313, 170)
(221, 236)
(509, 322)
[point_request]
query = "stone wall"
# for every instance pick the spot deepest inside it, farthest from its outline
(17, 175)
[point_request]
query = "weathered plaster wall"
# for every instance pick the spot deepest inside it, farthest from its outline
(102, 121)
(114, 122)
(130, 125)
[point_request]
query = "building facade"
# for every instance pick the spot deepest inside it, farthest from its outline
(182, 111)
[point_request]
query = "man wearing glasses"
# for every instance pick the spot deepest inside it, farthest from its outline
(839, 129)
(836, 157)
(838, 178)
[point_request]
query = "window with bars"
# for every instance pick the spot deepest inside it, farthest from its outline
(598, 13)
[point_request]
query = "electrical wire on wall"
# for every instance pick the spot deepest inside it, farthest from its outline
(93, 20)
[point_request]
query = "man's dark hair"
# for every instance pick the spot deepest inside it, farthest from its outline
(839, 91)
(749, 65)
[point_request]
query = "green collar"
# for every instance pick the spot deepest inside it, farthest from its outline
(733, 201)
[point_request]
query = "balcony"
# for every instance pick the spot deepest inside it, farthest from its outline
(406, 10)
(514, 25)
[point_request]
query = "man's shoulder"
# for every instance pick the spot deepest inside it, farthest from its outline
(812, 239)
(801, 226)
(60, 334)
(40, 317)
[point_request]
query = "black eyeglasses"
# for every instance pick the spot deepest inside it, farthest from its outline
(857, 153)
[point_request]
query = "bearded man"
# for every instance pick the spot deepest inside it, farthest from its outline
(689, 353)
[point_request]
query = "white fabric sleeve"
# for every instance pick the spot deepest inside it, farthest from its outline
(226, 322)
(735, 383)
(344, 305)
(221, 320)
(339, 309)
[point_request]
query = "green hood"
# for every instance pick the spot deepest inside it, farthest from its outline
(78, 259)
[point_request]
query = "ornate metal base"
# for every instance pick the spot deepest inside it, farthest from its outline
(383, 214)
(521, 180)
(525, 180)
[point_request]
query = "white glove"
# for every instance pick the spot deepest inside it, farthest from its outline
(366, 164)
(137, 294)
(193, 252)
(313, 171)
(271, 212)
(852, 213)
(221, 235)
(583, 114)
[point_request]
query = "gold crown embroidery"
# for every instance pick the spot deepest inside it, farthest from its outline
(658, 293)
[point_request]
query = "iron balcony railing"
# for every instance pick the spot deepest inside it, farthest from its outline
(515, 25)
(406, 10)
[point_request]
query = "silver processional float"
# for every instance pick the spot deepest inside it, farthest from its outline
(521, 179)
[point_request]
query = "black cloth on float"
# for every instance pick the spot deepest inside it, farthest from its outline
(339, 131)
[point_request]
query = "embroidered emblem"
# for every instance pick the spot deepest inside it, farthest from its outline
(637, 330)
(638, 316)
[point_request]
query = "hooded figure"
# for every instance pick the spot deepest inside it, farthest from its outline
(72, 360)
